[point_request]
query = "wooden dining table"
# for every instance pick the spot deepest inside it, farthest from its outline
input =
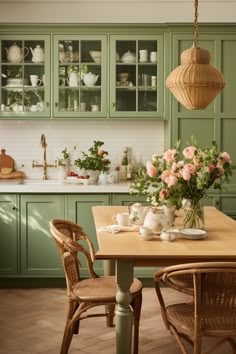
(129, 251)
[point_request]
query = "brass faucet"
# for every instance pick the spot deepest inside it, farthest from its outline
(44, 165)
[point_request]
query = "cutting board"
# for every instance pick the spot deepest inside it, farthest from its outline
(7, 167)
(6, 161)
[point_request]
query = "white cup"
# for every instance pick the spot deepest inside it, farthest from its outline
(153, 57)
(35, 81)
(34, 108)
(82, 106)
(143, 53)
(145, 231)
(122, 219)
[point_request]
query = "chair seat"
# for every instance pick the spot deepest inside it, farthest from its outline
(181, 316)
(101, 289)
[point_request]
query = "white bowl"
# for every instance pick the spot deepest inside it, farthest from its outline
(96, 56)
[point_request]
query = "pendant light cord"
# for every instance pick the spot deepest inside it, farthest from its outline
(195, 24)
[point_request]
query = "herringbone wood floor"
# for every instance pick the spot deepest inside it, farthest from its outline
(32, 322)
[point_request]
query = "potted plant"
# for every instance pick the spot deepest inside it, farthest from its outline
(63, 162)
(94, 160)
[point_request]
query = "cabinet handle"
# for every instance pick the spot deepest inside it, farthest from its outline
(56, 104)
(13, 207)
(113, 104)
(47, 104)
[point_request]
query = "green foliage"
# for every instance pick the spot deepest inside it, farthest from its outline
(95, 158)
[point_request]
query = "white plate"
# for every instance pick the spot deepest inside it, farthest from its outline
(193, 234)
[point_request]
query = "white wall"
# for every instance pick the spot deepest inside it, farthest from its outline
(21, 139)
(115, 11)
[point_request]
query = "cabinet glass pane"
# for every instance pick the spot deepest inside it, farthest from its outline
(79, 72)
(22, 76)
(136, 75)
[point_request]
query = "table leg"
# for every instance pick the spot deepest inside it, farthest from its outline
(109, 269)
(124, 315)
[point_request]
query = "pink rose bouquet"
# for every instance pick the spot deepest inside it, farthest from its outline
(172, 177)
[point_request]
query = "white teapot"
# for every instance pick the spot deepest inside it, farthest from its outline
(37, 54)
(90, 79)
(155, 219)
(137, 213)
(15, 54)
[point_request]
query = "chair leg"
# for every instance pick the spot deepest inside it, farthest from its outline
(68, 333)
(136, 305)
(197, 346)
(110, 314)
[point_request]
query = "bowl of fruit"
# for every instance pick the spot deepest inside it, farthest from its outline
(72, 177)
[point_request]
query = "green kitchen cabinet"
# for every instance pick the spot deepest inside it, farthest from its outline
(80, 76)
(9, 234)
(39, 253)
(79, 210)
(137, 76)
(25, 76)
(218, 121)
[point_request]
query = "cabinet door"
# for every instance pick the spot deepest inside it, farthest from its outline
(25, 76)
(8, 234)
(80, 76)
(125, 199)
(136, 76)
(79, 210)
(39, 253)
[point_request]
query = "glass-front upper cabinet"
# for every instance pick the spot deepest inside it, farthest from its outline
(136, 74)
(80, 76)
(25, 76)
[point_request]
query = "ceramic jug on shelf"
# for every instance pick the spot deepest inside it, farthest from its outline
(73, 79)
(15, 54)
(90, 79)
(37, 54)
(137, 213)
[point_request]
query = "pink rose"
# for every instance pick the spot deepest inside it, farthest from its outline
(174, 167)
(151, 170)
(169, 155)
(171, 181)
(211, 167)
(190, 168)
(100, 152)
(188, 152)
(164, 175)
(220, 170)
(224, 157)
(186, 175)
(164, 193)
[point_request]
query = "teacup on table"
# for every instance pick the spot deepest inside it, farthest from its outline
(122, 219)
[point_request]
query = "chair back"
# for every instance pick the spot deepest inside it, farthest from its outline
(212, 285)
(67, 236)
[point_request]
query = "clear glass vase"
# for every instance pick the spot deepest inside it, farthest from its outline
(193, 217)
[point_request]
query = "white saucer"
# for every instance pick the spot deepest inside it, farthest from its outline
(193, 234)
(146, 237)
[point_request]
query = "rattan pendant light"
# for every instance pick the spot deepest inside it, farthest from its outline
(195, 83)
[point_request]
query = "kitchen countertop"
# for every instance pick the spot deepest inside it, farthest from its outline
(57, 186)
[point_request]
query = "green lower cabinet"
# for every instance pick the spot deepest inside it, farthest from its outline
(39, 253)
(79, 210)
(8, 234)
(125, 199)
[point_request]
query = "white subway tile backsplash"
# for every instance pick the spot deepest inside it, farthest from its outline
(21, 139)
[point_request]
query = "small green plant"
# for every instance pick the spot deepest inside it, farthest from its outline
(66, 155)
(95, 158)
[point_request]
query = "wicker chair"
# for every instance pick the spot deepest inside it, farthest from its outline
(211, 311)
(84, 294)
